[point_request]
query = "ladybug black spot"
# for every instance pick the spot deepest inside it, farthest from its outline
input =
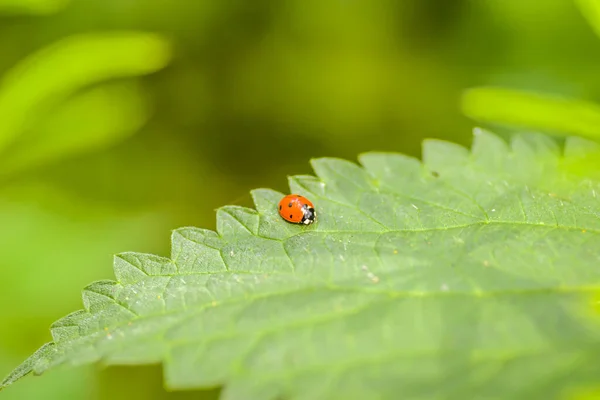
(291, 216)
(290, 205)
(280, 207)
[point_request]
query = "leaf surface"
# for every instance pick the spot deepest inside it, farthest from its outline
(470, 275)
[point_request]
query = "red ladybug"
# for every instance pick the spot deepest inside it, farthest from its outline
(297, 209)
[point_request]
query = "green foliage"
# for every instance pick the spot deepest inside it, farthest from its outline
(471, 273)
(31, 6)
(45, 114)
(591, 10)
(532, 110)
(103, 115)
(542, 112)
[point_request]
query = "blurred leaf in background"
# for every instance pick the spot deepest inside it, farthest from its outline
(591, 10)
(40, 7)
(531, 110)
(103, 115)
(539, 111)
(51, 75)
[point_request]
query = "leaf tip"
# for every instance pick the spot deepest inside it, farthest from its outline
(27, 366)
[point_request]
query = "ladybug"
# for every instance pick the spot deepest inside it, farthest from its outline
(297, 209)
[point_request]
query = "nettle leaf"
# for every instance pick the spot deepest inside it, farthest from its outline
(470, 275)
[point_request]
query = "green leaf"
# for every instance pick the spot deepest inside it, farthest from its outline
(532, 110)
(591, 10)
(91, 120)
(51, 75)
(470, 275)
(41, 7)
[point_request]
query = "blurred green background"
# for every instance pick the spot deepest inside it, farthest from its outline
(123, 119)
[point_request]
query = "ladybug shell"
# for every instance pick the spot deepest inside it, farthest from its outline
(297, 209)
